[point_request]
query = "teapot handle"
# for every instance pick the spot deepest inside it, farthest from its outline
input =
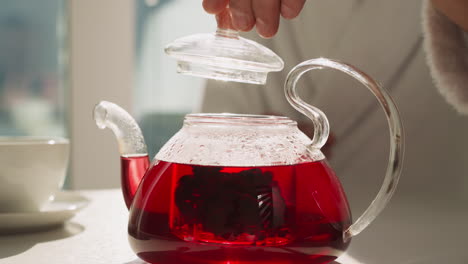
(321, 131)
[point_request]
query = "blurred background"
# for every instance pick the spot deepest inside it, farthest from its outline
(33, 64)
(161, 96)
(58, 58)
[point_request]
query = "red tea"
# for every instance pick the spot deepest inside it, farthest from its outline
(205, 214)
(133, 169)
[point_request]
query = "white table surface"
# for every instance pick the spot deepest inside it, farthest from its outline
(408, 232)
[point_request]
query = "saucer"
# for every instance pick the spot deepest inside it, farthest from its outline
(62, 208)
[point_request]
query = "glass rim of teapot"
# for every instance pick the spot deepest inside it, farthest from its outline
(241, 119)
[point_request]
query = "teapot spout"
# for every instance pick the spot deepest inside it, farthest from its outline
(132, 147)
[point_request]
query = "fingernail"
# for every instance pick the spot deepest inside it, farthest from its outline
(241, 22)
(287, 12)
(262, 29)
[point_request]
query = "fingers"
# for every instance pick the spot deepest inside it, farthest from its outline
(245, 14)
(291, 8)
(215, 6)
(242, 14)
(267, 14)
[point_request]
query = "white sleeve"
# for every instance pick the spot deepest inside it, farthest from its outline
(446, 47)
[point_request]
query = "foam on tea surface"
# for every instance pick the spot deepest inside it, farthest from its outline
(248, 140)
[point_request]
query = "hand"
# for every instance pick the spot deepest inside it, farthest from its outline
(243, 15)
(455, 10)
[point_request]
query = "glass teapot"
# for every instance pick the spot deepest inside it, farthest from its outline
(231, 188)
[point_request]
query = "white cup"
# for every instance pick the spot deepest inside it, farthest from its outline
(32, 170)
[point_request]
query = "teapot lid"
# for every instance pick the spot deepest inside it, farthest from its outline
(225, 56)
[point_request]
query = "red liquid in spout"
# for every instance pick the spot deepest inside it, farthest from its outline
(133, 169)
(202, 214)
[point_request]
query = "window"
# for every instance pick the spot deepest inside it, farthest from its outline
(32, 68)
